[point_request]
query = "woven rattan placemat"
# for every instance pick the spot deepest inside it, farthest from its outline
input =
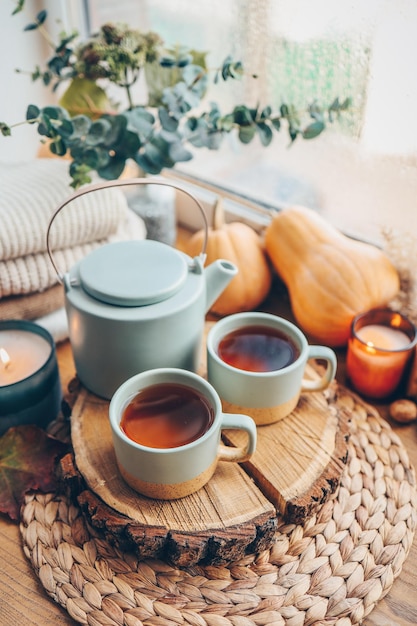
(333, 569)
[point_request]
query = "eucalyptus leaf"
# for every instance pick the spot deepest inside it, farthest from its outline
(118, 125)
(196, 130)
(147, 165)
(276, 123)
(41, 17)
(156, 155)
(79, 173)
(97, 132)
(129, 144)
(139, 120)
(266, 113)
(66, 129)
(265, 133)
(168, 122)
(226, 123)
(32, 26)
(196, 79)
(247, 133)
(19, 7)
(32, 112)
(313, 130)
(214, 140)
(113, 169)
(91, 157)
(178, 153)
(80, 125)
(242, 116)
(58, 147)
(5, 129)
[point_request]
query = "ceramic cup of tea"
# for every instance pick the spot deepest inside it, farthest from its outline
(166, 425)
(256, 362)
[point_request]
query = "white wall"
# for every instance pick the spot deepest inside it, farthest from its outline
(390, 120)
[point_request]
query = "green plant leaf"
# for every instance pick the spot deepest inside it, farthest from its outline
(80, 126)
(32, 113)
(65, 129)
(242, 116)
(196, 79)
(97, 132)
(178, 153)
(313, 130)
(284, 110)
(58, 147)
(5, 130)
(147, 165)
(247, 133)
(265, 133)
(276, 123)
(140, 120)
(168, 122)
(113, 169)
(118, 125)
(19, 7)
(79, 173)
(128, 145)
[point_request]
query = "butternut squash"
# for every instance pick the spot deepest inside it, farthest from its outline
(330, 277)
(239, 243)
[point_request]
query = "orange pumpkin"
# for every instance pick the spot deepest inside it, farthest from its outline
(239, 243)
(330, 277)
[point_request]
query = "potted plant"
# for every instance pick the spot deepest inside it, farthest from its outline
(99, 135)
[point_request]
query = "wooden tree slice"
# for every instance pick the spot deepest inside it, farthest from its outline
(222, 520)
(299, 460)
(297, 466)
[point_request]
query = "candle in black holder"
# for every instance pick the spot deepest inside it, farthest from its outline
(30, 387)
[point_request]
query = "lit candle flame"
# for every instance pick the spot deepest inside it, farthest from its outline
(396, 321)
(370, 347)
(4, 357)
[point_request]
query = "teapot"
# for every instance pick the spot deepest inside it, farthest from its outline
(137, 305)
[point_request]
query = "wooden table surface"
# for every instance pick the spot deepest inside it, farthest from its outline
(23, 601)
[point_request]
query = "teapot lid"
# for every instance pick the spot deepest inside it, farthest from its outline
(133, 273)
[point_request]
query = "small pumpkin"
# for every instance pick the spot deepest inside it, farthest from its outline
(330, 277)
(239, 243)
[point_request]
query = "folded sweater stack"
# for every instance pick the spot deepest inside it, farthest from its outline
(30, 194)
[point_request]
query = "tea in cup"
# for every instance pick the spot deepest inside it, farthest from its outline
(166, 425)
(256, 362)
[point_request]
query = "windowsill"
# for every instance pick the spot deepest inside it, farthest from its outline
(361, 194)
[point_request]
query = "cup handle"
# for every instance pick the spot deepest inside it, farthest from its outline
(238, 422)
(328, 355)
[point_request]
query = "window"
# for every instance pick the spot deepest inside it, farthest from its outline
(361, 173)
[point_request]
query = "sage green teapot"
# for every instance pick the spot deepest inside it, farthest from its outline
(137, 305)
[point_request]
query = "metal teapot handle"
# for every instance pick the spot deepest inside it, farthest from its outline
(122, 183)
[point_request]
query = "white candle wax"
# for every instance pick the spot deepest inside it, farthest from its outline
(27, 352)
(383, 337)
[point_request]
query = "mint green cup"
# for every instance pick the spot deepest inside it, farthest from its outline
(265, 396)
(171, 473)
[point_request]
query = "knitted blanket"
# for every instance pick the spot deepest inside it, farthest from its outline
(29, 196)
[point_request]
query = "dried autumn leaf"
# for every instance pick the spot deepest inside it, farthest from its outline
(27, 461)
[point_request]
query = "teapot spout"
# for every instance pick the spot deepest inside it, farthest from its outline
(218, 276)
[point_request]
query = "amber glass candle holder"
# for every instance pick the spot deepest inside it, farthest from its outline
(380, 346)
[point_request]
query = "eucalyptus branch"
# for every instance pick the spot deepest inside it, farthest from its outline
(164, 132)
